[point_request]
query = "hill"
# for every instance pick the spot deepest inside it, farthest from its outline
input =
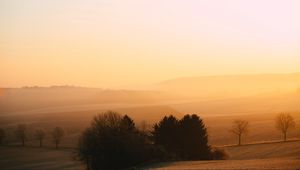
(256, 156)
(33, 98)
(230, 86)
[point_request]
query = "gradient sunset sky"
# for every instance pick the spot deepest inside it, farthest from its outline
(107, 43)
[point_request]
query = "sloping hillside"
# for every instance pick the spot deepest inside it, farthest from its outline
(258, 156)
(265, 150)
(230, 86)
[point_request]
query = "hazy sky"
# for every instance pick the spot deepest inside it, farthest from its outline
(108, 43)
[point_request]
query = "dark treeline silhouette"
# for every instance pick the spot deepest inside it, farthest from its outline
(113, 142)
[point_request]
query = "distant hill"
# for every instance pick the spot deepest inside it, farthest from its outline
(230, 86)
(206, 94)
(30, 98)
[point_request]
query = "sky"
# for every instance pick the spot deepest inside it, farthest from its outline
(117, 43)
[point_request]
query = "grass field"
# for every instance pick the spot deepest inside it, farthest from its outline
(30, 158)
(275, 155)
(273, 163)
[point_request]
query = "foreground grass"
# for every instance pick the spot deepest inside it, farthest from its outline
(276, 155)
(29, 158)
(272, 163)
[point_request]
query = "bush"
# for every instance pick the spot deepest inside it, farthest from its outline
(219, 154)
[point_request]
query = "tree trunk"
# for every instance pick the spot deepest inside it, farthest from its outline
(56, 145)
(23, 142)
(40, 143)
(240, 136)
(284, 136)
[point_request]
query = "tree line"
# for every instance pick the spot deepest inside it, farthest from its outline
(22, 134)
(113, 141)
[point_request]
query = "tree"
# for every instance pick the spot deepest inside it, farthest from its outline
(239, 128)
(40, 135)
(112, 142)
(166, 134)
(21, 133)
(284, 122)
(2, 135)
(186, 139)
(58, 133)
(127, 124)
(194, 138)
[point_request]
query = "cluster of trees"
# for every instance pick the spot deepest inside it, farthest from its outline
(22, 134)
(185, 138)
(284, 122)
(114, 142)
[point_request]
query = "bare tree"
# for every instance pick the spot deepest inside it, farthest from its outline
(21, 133)
(40, 135)
(57, 134)
(2, 135)
(239, 128)
(284, 122)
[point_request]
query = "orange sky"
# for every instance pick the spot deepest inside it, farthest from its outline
(120, 44)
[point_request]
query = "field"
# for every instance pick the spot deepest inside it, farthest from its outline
(275, 155)
(275, 163)
(16, 158)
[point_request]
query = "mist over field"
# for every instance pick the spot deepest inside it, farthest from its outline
(217, 99)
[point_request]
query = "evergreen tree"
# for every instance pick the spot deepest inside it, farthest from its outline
(166, 134)
(194, 138)
(127, 124)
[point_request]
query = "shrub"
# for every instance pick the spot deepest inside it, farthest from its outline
(219, 154)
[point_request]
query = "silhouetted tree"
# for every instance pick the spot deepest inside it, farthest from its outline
(112, 142)
(58, 133)
(21, 133)
(167, 135)
(284, 122)
(2, 136)
(239, 128)
(127, 124)
(40, 135)
(186, 139)
(194, 138)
